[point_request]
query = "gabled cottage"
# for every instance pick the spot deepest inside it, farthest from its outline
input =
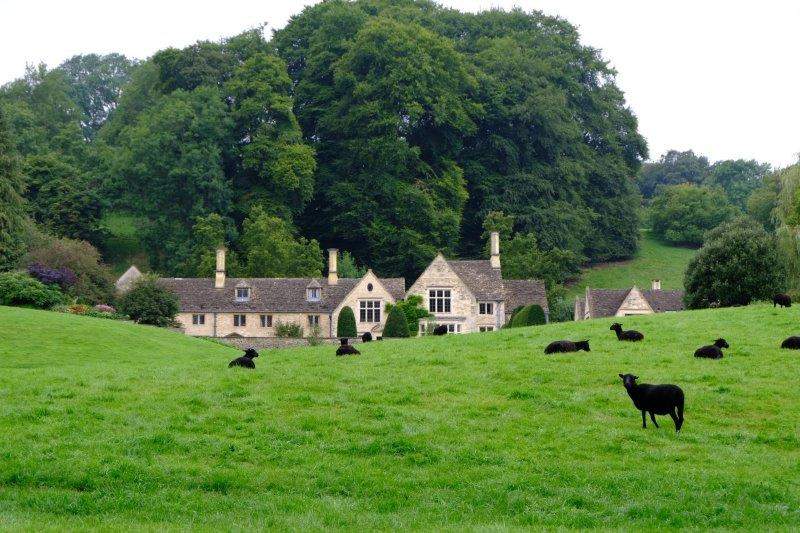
(599, 303)
(472, 295)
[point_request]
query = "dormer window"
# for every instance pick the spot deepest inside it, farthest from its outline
(313, 294)
(242, 294)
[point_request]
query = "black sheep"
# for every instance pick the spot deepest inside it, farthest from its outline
(346, 349)
(791, 343)
(566, 346)
(630, 335)
(245, 361)
(784, 300)
(366, 337)
(440, 330)
(655, 399)
(713, 351)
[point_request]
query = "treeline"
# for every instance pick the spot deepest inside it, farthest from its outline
(389, 128)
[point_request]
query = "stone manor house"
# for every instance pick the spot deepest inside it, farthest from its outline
(466, 296)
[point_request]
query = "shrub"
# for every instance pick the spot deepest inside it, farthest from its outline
(93, 281)
(346, 325)
(315, 336)
(63, 277)
(288, 330)
(18, 288)
(78, 309)
(681, 214)
(412, 309)
(530, 315)
(103, 308)
(149, 303)
(738, 263)
(396, 324)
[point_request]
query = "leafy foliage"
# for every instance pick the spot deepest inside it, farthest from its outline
(12, 210)
(149, 303)
(63, 277)
(738, 263)
(413, 310)
(396, 324)
(346, 323)
(347, 266)
(20, 289)
(522, 259)
(681, 214)
(288, 330)
(530, 315)
(673, 168)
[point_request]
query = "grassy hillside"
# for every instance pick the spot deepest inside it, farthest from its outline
(110, 425)
(655, 260)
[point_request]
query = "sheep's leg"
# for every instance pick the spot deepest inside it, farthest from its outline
(644, 420)
(675, 419)
(653, 418)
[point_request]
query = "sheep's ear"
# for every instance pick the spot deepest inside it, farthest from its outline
(635, 377)
(621, 376)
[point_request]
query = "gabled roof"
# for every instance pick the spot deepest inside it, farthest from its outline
(313, 284)
(520, 292)
(277, 295)
(481, 279)
(606, 302)
(126, 280)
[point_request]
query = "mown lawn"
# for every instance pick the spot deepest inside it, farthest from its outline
(655, 260)
(112, 426)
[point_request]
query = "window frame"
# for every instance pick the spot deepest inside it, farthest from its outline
(486, 308)
(246, 297)
(266, 321)
(198, 319)
(369, 311)
(313, 294)
(239, 320)
(485, 329)
(313, 320)
(440, 301)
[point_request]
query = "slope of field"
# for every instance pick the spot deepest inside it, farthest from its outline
(114, 426)
(655, 260)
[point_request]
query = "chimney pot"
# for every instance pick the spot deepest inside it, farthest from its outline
(494, 245)
(333, 274)
(656, 285)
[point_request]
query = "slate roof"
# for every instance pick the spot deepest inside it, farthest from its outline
(524, 292)
(277, 295)
(484, 281)
(126, 280)
(606, 302)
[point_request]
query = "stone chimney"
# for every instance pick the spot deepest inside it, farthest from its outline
(219, 279)
(333, 275)
(494, 245)
(656, 286)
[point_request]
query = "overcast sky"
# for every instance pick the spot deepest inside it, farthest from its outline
(719, 77)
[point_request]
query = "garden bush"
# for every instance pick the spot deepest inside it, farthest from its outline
(20, 289)
(530, 315)
(412, 309)
(288, 330)
(346, 325)
(396, 324)
(149, 303)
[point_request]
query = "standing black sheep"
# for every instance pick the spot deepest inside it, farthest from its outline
(245, 361)
(713, 351)
(655, 399)
(346, 349)
(791, 343)
(630, 335)
(784, 300)
(566, 346)
(366, 337)
(440, 330)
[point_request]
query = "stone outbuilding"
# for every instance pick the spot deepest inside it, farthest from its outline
(600, 303)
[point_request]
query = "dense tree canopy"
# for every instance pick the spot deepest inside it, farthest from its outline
(12, 213)
(681, 214)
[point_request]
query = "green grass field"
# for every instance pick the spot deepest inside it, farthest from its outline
(107, 425)
(655, 260)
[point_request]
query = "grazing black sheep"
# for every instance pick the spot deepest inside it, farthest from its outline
(440, 330)
(245, 361)
(346, 349)
(713, 351)
(655, 399)
(791, 343)
(784, 300)
(366, 337)
(566, 346)
(630, 335)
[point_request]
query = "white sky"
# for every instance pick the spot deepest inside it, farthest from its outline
(719, 77)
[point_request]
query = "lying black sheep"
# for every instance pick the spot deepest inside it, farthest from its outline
(366, 337)
(791, 343)
(440, 330)
(245, 361)
(566, 346)
(655, 399)
(713, 351)
(346, 349)
(630, 335)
